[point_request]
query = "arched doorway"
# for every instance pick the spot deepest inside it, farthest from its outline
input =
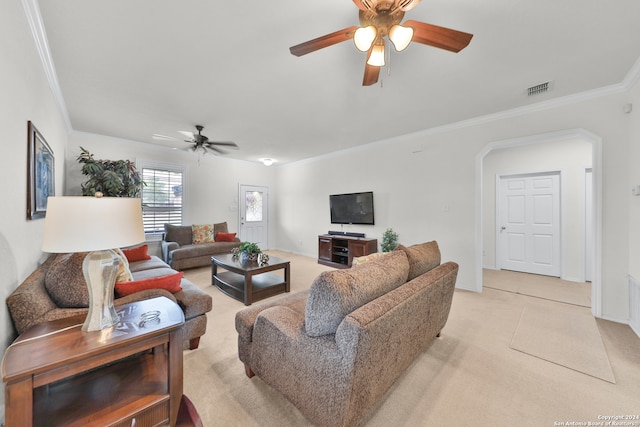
(594, 259)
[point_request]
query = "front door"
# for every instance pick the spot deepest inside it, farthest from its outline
(529, 223)
(254, 215)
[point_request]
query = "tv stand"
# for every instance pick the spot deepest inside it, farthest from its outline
(339, 250)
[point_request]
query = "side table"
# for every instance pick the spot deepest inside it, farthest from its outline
(57, 375)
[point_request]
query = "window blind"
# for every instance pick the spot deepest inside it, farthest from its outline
(161, 199)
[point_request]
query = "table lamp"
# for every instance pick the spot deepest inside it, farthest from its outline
(98, 225)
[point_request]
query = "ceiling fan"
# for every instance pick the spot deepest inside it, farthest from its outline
(201, 142)
(380, 19)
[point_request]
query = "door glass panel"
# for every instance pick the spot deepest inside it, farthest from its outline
(253, 206)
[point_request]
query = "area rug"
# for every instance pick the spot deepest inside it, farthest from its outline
(565, 335)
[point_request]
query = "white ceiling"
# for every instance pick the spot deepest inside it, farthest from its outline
(129, 69)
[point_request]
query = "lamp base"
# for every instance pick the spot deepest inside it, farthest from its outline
(100, 269)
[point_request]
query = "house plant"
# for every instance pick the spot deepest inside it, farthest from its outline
(247, 251)
(113, 178)
(389, 240)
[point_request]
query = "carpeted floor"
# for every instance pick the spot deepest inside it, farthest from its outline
(549, 288)
(469, 376)
(564, 334)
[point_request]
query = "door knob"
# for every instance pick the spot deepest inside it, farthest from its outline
(503, 228)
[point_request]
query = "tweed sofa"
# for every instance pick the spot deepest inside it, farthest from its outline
(334, 350)
(179, 251)
(37, 301)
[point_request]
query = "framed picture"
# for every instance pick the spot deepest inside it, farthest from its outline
(40, 174)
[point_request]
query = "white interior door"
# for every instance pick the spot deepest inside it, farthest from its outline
(528, 223)
(254, 215)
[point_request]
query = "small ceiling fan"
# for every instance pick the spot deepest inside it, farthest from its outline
(380, 19)
(201, 142)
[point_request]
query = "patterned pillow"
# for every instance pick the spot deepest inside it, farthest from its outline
(335, 294)
(371, 257)
(202, 233)
(65, 281)
(422, 257)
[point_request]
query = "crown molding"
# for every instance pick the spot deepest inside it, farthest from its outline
(632, 76)
(32, 12)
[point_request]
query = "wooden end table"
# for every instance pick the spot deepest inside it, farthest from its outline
(249, 282)
(57, 375)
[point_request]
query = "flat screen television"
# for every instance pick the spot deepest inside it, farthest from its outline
(352, 208)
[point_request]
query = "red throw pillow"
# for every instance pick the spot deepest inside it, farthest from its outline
(171, 283)
(139, 253)
(225, 237)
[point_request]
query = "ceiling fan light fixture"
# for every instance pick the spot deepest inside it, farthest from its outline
(376, 58)
(364, 37)
(400, 36)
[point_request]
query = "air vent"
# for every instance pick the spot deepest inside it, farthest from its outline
(539, 88)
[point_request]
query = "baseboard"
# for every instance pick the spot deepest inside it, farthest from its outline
(634, 304)
(572, 279)
(635, 329)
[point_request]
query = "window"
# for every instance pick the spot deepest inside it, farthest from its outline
(162, 196)
(253, 206)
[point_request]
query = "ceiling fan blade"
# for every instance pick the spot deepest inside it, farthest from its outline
(371, 73)
(366, 5)
(211, 147)
(324, 41)
(405, 5)
(226, 144)
(186, 133)
(441, 37)
(161, 137)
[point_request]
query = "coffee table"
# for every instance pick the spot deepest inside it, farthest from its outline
(249, 281)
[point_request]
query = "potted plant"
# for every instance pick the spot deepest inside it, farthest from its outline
(247, 251)
(112, 178)
(389, 240)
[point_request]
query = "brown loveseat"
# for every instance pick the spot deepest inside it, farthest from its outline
(32, 303)
(179, 251)
(334, 350)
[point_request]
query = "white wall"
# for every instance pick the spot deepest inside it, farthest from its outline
(633, 160)
(25, 96)
(570, 157)
(211, 182)
(425, 187)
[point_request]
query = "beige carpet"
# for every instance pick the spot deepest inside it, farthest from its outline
(550, 288)
(469, 376)
(563, 334)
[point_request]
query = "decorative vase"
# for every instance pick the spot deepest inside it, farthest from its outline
(246, 257)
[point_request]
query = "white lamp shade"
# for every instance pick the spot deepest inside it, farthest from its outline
(377, 56)
(400, 36)
(83, 224)
(364, 37)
